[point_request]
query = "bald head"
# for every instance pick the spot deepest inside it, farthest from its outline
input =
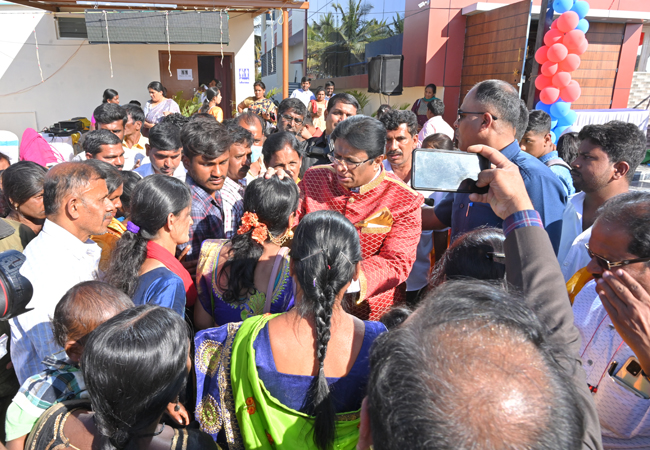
(470, 368)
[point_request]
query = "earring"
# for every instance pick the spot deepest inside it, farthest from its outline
(177, 407)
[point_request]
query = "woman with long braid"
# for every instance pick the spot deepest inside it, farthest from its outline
(293, 380)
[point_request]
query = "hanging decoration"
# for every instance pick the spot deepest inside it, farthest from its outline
(38, 57)
(221, 31)
(169, 48)
(564, 43)
(108, 41)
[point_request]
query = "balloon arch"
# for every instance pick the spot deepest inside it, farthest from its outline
(564, 42)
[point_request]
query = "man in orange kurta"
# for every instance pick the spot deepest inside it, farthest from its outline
(385, 211)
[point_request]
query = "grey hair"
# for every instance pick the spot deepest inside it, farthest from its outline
(503, 98)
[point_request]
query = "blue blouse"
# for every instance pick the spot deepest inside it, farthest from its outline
(291, 390)
(161, 287)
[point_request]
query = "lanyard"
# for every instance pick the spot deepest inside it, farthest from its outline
(592, 388)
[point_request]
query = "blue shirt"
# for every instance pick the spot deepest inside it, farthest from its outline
(161, 287)
(292, 390)
(544, 189)
(563, 174)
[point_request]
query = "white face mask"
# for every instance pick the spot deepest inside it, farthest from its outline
(256, 152)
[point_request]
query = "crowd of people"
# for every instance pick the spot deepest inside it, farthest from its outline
(249, 283)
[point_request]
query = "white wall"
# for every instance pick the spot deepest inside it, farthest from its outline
(74, 88)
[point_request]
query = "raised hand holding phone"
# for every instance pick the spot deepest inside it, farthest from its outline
(507, 192)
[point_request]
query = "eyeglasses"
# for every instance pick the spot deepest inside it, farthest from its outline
(607, 265)
(462, 113)
(350, 165)
(289, 118)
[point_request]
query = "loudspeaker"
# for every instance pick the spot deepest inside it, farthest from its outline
(385, 74)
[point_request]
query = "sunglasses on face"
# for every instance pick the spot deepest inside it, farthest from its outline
(608, 265)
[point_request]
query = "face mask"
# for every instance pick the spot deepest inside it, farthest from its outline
(256, 152)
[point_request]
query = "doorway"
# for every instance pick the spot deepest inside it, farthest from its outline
(195, 69)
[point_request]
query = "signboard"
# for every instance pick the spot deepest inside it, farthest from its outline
(185, 74)
(244, 76)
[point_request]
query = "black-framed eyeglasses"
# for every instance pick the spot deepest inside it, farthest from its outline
(289, 118)
(462, 113)
(348, 164)
(607, 265)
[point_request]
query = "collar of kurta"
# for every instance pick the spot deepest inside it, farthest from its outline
(376, 181)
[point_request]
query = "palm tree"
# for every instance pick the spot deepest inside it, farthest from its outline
(333, 49)
(397, 27)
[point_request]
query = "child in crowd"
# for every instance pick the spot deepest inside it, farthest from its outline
(82, 309)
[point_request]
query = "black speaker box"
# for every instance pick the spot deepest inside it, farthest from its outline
(385, 74)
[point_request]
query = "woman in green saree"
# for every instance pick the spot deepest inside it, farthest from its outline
(270, 382)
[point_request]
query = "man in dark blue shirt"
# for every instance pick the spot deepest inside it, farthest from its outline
(489, 116)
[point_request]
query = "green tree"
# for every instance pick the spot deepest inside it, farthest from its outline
(334, 47)
(397, 27)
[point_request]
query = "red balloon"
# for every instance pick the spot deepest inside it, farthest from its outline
(542, 82)
(554, 25)
(573, 40)
(549, 95)
(568, 21)
(571, 93)
(561, 79)
(582, 49)
(549, 68)
(540, 54)
(570, 63)
(556, 53)
(553, 36)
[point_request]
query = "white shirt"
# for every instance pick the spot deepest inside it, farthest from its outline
(624, 417)
(145, 170)
(572, 254)
(435, 125)
(419, 276)
(56, 261)
(303, 96)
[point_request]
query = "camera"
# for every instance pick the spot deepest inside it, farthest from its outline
(16, 291)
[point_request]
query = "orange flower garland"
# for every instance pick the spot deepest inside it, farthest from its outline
(260, 232)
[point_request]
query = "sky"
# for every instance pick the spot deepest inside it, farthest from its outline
(382, 9)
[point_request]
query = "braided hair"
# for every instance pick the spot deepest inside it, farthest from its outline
(325, 253)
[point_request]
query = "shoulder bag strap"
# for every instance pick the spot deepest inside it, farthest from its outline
(274, 273)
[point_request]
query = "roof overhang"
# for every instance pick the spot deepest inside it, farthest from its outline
(597, 15)
(256, 7)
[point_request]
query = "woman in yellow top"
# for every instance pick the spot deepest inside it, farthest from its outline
(259, 104)
(212, 99)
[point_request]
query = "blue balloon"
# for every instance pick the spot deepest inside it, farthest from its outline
(553, 137)
(559, 130)
(583, 26)
(543, 107)
(580, 7)
(560, 109)
(570, 118)
(562, 6)
(553, 123)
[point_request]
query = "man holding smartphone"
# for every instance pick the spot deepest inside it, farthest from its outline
(489, 116)
(612, 313)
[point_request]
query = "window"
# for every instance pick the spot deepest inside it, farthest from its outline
(269, 62)
(72, 27)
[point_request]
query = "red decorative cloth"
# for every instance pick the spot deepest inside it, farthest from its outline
(159, 253)
(387, 216)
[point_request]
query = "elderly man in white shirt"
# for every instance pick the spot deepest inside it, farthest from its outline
(77, 206)
(612, 314)
(607, 158)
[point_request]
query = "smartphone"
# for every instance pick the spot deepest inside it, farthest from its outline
(447, 170)
(632, 377)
